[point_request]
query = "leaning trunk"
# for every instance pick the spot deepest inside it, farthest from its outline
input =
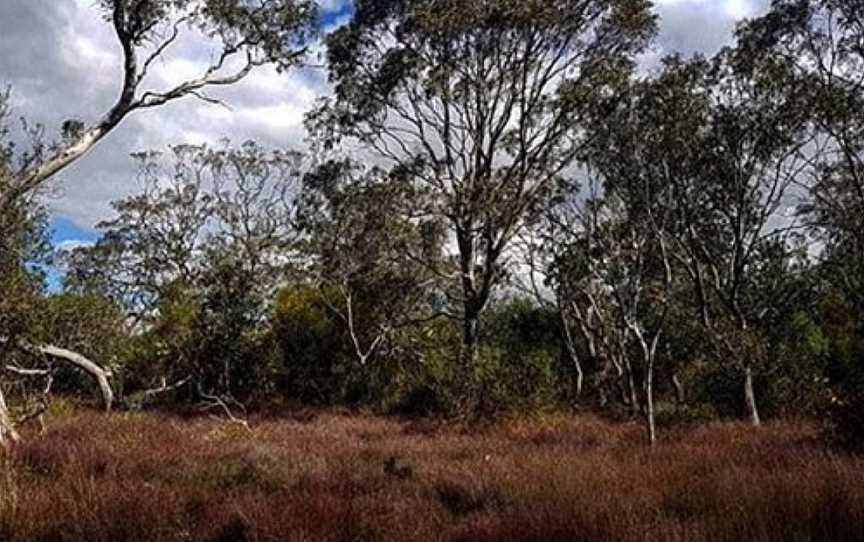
(679, 390)
(98, 373)
(574, 355)
(750, 396)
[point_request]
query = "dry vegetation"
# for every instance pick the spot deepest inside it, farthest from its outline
(333, 476)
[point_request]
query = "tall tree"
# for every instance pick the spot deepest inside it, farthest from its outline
(211, 236)
(820, 42)
(480, 103)
(245, 35)
(610, 259)
(741, 151)
(358, 225)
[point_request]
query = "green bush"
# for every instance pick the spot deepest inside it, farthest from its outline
(843, 411)
(315, 363)
(517, 367)
(668, 415)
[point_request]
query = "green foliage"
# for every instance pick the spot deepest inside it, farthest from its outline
(270, 32)
(315, 360)
(790, 378)
(431, 383)
(517, 367)
(844, 415)
(794, 381)
(843, 401)
(523, 352)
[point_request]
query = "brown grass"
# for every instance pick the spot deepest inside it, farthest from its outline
(333, 476)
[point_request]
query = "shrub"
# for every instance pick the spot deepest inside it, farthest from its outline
(843, 419)
(315, 364)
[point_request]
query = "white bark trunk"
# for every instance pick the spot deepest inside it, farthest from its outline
(680, 397)
(7, 429)
(574, 355)
(101, 375)
(649, 407)
(750, 397)
(29, 181)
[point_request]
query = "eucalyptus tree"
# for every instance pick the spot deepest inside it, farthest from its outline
(641, 152)
(370, 257)
(610, 262)
(737, 149)
(212, 234)
(820, 43)
(480, 103)
(756, 155)
(241, 34)
(562, 262)
(155, 240)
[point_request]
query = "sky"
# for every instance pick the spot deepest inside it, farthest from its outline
(62, 61)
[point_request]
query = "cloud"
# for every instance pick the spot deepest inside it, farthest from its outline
(63, 62)
(701, 26)
(71, 244)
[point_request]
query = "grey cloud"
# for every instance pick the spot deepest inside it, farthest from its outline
(44, 48)
(705, 26)
(63, 62)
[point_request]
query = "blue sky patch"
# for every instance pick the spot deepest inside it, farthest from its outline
(336, 16)
(65, 234)
(64, 230)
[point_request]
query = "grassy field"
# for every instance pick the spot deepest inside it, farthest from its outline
(334, 476)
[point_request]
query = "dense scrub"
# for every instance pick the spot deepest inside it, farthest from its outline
(323, 475)
(545, 227)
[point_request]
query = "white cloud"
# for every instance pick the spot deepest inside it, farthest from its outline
(75, 72)
(332, 5)
(739, 9)
(733, 8)
(71, 244)
(277, 116)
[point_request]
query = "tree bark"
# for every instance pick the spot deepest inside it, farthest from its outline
(573, 354)
(100, 374)
(632, 391)
(7, 429)
(470, 340)
(649, 406)
(680, 398)
(750, 397)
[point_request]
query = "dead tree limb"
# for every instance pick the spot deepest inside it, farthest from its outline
(100, 374)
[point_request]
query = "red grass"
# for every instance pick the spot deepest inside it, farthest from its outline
(339, 477)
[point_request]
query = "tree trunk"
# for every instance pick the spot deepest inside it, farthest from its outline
(635, 407)
(577, 365)
(648, 386)
(574, 356)
(750, 397)
(470, 340)
(679, 390)
(580, 378)
(101, 375)
(7, 429)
